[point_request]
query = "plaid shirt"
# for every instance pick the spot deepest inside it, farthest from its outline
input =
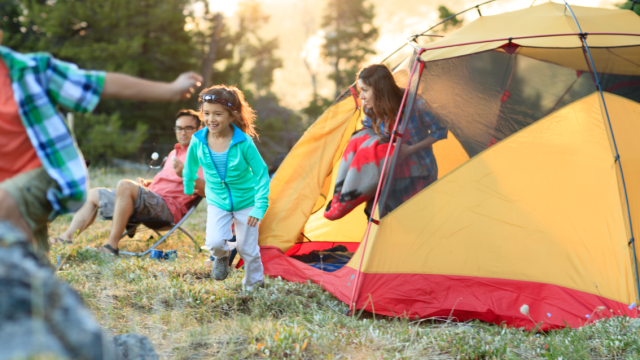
(40, 83)
(422, 123)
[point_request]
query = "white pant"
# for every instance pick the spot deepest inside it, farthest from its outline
(219, 234)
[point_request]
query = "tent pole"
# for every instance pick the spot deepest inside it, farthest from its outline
(417, 47)
(434, 26)
(478, 42)
(504, 98)
(583, 38)
(352, 302)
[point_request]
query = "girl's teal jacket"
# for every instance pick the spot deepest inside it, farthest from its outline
(246, 182)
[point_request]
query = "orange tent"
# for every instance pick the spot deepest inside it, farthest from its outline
(538, 196)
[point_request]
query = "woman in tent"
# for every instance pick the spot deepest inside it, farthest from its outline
(362, 161)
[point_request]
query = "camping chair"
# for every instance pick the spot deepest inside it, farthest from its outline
(157, 226)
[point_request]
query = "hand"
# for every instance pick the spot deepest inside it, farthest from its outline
(405, 150)
(143, 182)
(184, 85)
(177, 166)
(251, 221)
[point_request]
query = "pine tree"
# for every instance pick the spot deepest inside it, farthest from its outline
(452, 24)
(245, 58)
(141, 38)
(350, 35)
(627, 5)
(18, 30)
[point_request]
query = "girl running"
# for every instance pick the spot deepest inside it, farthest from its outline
(236, 176)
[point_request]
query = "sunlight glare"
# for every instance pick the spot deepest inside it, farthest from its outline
(226, 7)
(311, 51)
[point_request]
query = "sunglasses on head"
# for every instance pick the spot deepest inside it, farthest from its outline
(215, 99)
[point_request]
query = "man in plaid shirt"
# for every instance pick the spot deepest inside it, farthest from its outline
(42, 172)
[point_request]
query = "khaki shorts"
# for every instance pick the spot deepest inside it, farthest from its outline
(29, 190)
(148, 206)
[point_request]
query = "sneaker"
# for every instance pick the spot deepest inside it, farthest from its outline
(250, 288)
(221, 268)
(209, 262)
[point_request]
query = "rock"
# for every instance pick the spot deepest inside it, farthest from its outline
(134, 347)
(39, 313)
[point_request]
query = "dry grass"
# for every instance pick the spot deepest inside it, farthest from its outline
(187, 315)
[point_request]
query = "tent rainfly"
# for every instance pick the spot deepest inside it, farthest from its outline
(538, 196)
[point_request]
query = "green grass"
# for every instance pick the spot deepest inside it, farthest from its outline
(187, 315)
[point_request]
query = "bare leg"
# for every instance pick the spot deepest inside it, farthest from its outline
(126, 197)
(9, 211)
(83, 217)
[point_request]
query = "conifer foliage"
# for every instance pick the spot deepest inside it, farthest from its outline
(141, 38)
(350, 35)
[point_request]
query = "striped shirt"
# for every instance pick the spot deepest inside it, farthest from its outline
(220, 162)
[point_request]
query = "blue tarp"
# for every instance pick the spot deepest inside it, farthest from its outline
(328, 260)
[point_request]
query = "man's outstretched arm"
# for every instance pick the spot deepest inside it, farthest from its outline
(121, 86)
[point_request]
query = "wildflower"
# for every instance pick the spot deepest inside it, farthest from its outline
(588, 316)
(548, 314)
(633, 305)
(524, 309)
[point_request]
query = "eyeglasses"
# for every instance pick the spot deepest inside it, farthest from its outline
(187, 129)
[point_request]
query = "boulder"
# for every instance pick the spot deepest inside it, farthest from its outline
(40, 314)
(134, 347)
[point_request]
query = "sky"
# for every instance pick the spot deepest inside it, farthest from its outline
(297, 25)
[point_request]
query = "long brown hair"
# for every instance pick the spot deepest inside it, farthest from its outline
(243, 116)
(386, 93)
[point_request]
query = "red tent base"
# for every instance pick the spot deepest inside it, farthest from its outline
(461, 298)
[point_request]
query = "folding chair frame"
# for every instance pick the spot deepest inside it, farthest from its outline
(174, 227)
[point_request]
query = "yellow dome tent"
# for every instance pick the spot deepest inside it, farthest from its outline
(538, 196)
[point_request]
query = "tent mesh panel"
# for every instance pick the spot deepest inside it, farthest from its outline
(485, 97)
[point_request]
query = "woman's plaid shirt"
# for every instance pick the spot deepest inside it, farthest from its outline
(422, 122)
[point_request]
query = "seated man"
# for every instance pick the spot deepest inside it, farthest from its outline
(162, 198)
